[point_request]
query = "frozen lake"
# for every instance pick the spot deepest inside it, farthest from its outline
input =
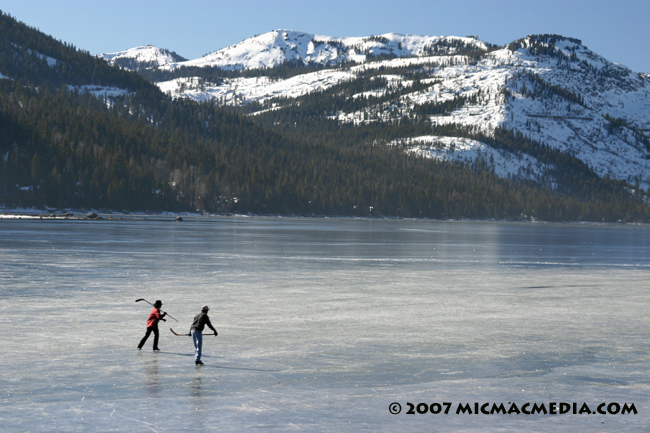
(323, 324)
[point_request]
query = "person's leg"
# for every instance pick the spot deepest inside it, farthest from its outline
(144, 339)
(197, 336)
(155, 337)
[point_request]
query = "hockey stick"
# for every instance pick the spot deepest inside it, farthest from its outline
(142, 299)
(181, 335)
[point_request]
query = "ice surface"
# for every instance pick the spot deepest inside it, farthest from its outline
(323, 323)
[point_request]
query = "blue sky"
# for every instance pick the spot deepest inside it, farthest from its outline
(616, 30)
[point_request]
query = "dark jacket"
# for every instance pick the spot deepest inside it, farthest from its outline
(200, 321)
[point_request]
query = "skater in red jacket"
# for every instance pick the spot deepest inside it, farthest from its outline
(152, 325)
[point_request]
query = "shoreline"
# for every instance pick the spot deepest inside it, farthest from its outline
(107, 215)
(84, 214)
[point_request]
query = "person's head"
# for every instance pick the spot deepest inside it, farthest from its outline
(205, 308)
(157, 304)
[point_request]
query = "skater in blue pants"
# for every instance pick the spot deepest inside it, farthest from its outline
(200, 321)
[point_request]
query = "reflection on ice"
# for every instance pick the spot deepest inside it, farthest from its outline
(151, 376)
(323, 323)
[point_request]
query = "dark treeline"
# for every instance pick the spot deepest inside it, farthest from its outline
(573, 190)
(30, 57)
(75, 151)
(69, 149)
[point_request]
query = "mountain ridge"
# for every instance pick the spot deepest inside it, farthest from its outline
(549, 87)
(278, 46)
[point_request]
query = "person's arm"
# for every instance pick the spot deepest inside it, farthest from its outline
(207, 322)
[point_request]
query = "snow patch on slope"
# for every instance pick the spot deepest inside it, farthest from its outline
(503, 163)
(241, 91)
(100, 91)
(51, 62)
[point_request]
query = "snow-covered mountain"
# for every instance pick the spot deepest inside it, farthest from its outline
(280, 46)
(144, 57)
(550, 88)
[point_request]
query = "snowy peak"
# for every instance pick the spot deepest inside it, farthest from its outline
(546, 44)
(560, 48)
(143, 57)
(261, 51)
(559, 55)
(280, 46)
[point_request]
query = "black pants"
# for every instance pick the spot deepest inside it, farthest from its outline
(155, 337)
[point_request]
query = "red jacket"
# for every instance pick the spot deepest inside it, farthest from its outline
(154, 317)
